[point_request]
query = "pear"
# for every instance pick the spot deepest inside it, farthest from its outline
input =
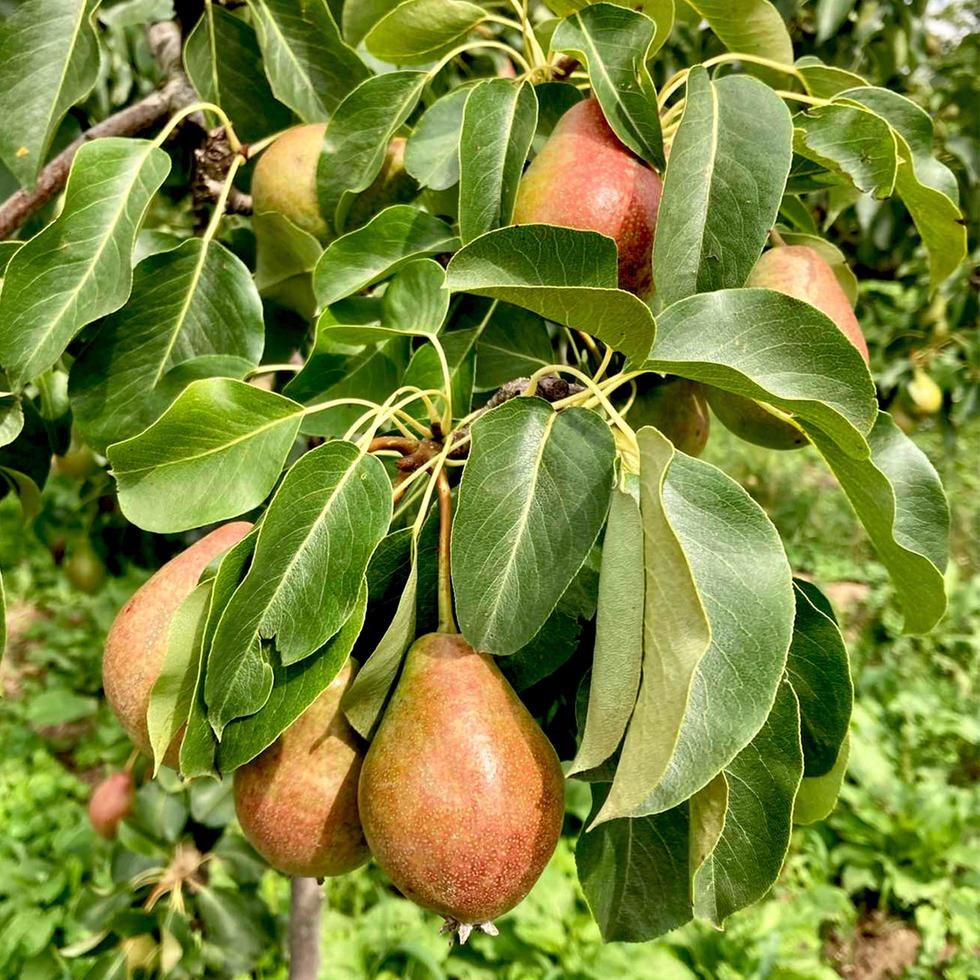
(461, 793)
(110, 803)
(84, 568)
(677, 407)
(801, 272)
(137, 642)
(285, 181)
(585, 178)
(297, 800)
(925, 396)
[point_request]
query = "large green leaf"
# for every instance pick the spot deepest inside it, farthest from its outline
(294, 689)
(373, 252)
(635, 873)
(615, 42)
(432, 151)
(770, 346)
(728, 168)
(818, 669)
(49, 60)
(750, 609)
(676, 634)
(220, 52)
(417, 32)
(358, 18)
(748, 26)
(215, 453)
(618, 655)
(565, 275)
(310, 67)
(762, 783)
(313, 548)
(899, 499)
(660, 11)
(194, 312)
(498, 124)
(532, 501)
(357, 136)
(45, 300)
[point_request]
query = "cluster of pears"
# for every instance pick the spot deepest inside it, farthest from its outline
(459, 795)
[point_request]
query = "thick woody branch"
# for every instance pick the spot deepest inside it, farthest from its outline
(176, 93)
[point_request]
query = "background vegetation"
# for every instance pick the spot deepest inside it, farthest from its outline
(889, 886)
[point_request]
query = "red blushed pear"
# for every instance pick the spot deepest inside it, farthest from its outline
(461, 793)
(137, 642)
(801, 272)
(297, 800)
(585, 178)
(110, 803)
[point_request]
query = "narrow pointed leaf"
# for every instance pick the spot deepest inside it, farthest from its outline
(532, 501)
(728, 168)
(215, 453)
(49, 61)
(899, 499)
(615, 42)
(772, 347)
(194, 312)
(45, 300)
(417, 32)
(562, 274)
(310, 67)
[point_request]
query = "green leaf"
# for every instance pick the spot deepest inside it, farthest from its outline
(774, 348)
(197, 750)
(675, 635)
(706, 811)
(11, 418)
(3, 620)
(26, 461)
(310, 67)
(615, 43)
(533, 498)
(825, 81)
(358, 18)
(173, 690)
(295, 688)
(618, 655)
(635, 873)
(513, 343)
(365, 698)
(762, 783)
(194, 312)
(285, 257)
(220, 52)
(49, 61)
(564, 275)
(817, 796)
(215, 453)
(660, 11)
(899, 499)
(750, 612)
(432, 151)
(852, 142)
(728, 168)
(831, 16)
(8, 250)
(357, 137)
(498, 125)
(421, 31)
(818, 669)
(748, 26)
(313, 548)
(373, 252)
(551, 647)
(45, 300)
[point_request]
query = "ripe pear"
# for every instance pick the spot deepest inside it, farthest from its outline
(137, 642)
(677, 407)
(285, 181)
(461, 794)
(925, 396)
(585, 178)
(801, 272)
(110, 803)
(297, 801)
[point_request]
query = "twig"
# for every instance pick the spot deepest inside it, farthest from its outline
(176, 93)
(306, 902)
(447, 621)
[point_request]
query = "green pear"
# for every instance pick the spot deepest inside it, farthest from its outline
(925, 396)
(110, 803)
(585, 178)
(84, 568)
(297, 800)
(461, 793)
(137, 642)
(677, 407)
(801, 272)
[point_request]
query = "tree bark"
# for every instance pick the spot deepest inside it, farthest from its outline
(306, 902)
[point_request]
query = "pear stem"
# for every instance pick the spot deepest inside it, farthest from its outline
(447, 622)
(777, 239)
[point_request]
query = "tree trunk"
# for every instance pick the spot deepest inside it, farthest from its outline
(304, 928)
